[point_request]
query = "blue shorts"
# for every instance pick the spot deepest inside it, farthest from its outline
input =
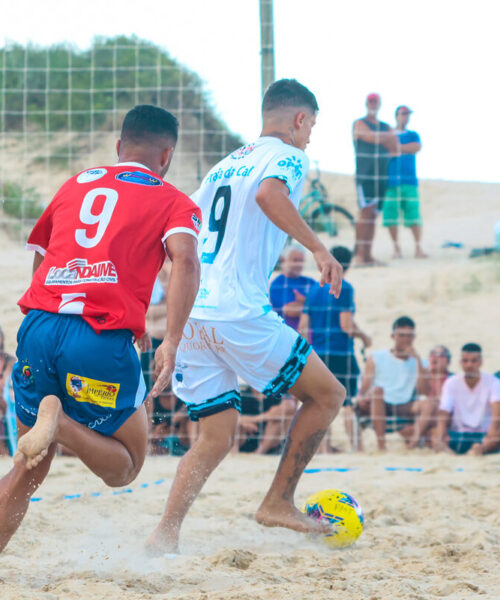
(462, 441)
(97, 377)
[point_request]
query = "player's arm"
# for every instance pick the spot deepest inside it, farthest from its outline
(388, 139)
(37, 261)
(273, 198)
(182, 289)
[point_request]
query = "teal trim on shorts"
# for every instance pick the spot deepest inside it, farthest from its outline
(231, 399)
(402, 200)
(290, 371)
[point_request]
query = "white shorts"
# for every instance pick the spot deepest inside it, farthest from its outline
(265, 352)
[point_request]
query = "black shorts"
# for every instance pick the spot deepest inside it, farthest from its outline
(346, 370)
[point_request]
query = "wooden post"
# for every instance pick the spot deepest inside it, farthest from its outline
(266, 43)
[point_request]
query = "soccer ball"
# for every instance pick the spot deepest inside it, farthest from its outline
(339, 509)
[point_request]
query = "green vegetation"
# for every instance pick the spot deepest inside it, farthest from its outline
(60, 88)
(19, 203)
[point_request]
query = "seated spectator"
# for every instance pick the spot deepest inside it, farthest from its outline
(469, 410)
(288, 291)
(328, 324)
(6, 363)
(426, 409)
(391, 381)
(263, 424)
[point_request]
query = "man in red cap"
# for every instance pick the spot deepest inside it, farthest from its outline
(374, 142)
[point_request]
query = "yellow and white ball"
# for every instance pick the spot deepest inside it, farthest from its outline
(342, 511)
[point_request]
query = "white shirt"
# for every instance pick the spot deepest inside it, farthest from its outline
(397, 377)
(239, 246)
(471, 409)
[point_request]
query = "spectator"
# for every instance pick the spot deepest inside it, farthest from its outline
(402, 187)
(427, 408)
(469, 410)
(263, 425)
(6, 363)
(328, 324)
(156, 322)
(391, 381)
(288, 291)
(374, 142)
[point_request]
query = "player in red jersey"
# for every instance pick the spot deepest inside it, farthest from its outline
(98, 248)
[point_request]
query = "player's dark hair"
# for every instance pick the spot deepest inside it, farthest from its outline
(472, 347)
(288, 92)
(146, 121)
(343, 255)
(403, 322)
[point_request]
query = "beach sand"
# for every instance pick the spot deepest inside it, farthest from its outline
(429, 534)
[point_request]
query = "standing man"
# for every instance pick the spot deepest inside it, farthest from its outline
(328, 323)
(288, 291)
(402, 188)
(469, 410)
(249, 201)
(374, 142)
(98, 248)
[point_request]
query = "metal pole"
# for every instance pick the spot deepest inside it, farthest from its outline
(266, 43)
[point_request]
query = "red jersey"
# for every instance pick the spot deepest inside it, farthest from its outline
(102, 238)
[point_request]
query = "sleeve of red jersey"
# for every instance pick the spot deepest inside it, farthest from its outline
(39, 237)
(185, 217)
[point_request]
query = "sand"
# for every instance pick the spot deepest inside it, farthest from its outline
(429, 534)
(433, 533)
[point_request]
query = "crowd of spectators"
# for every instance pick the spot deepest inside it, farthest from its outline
(397, 390)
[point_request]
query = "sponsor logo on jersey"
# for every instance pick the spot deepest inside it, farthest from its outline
(242, 171)
(91, 175)
(243, 151)
(93, 391)
(196, 222)
(27, 374)
(99, 421)
(293, 164)
(78, 270)
(139, 178)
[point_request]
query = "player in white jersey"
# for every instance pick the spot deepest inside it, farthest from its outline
(249, 204)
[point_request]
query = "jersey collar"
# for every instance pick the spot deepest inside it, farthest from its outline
(132, 164)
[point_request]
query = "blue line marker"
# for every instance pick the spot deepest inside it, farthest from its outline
(119, 492)
(411, 469)
(33, 499)
(72, 496)
(331, 469)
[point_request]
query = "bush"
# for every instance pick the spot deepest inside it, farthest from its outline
(20, 203)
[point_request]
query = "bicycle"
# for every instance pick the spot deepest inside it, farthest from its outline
(327, 217)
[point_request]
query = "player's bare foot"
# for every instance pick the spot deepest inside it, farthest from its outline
(34, 445)
(419, 253)
(397, 252)
(162, 541)
(287, 515)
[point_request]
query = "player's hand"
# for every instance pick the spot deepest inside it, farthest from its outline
(299, 298)
(145, 342)
(330, 269)
(248, 424)
(164, 366)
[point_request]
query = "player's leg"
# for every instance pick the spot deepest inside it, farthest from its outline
(321, 396)
(378, 415)
(210, 390)
(391, 212)
(212, 445)
(365, 224)
(426, 411)
(16, 489)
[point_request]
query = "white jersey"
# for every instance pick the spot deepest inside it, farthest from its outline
(239, 246)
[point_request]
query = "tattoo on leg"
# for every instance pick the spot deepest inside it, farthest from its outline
(301, 459)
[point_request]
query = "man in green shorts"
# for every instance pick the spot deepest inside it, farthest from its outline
(402, 190)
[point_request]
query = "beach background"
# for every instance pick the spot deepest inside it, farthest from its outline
(432, 525)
